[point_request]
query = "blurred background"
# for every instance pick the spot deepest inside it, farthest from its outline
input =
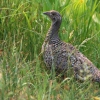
(23, 28)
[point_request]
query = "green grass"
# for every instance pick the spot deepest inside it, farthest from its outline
(23, 27)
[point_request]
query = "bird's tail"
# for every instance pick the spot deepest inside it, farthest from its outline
(87, 72)
(96, 74)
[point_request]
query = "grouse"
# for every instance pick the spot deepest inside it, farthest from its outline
(63, 56)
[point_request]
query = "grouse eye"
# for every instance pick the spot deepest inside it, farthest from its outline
(53, 14)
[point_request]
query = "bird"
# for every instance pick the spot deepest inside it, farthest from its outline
(62, 56)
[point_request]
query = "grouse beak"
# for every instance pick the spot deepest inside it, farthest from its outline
(47, 13)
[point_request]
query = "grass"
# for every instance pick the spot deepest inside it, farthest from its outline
(23, 27)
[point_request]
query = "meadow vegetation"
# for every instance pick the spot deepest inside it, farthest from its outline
(23, 27)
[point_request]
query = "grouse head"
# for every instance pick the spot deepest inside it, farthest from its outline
(53, 15)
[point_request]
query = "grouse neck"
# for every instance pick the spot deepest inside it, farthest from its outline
(53, 31)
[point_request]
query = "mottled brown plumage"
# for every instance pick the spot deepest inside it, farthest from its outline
(61, 55)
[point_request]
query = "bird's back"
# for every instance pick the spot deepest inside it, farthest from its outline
(63, 56)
